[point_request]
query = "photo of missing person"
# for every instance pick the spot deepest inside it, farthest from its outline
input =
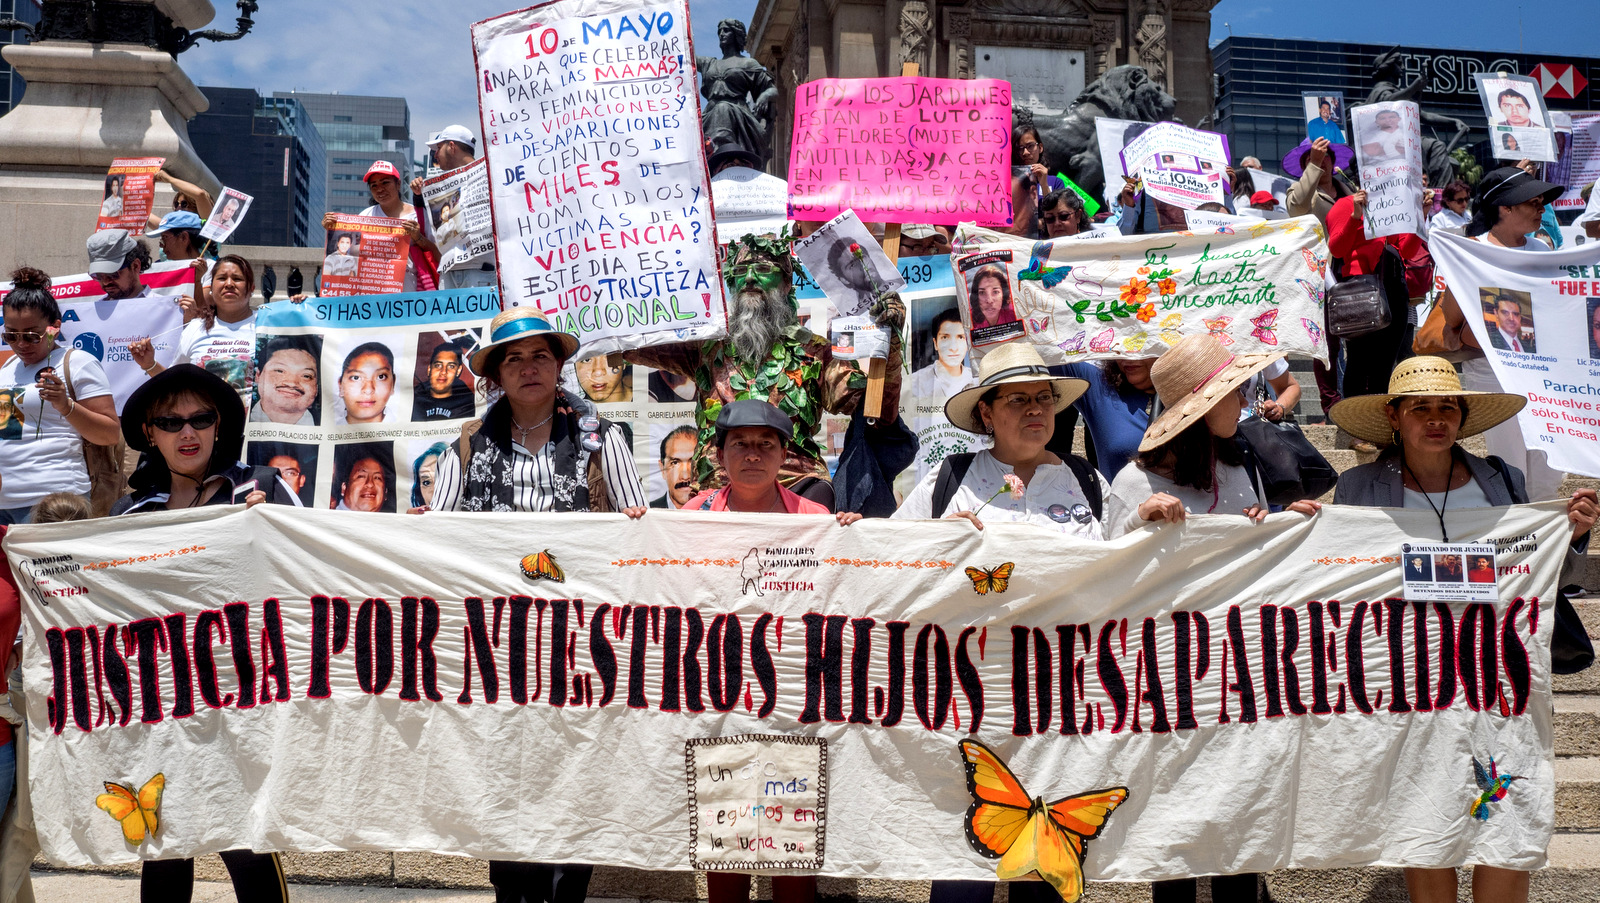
(940, 352)
(442, 388)
(296, 463)
(672, 484)
(111, 207)
(605, 379)
(1508, 314)
(444, 208)
(989, 293)
(10, 414)
(1380, 135)
(424, 457)
(1447, 568)
(1418, 569)
(287, 386)
(1324, 117)
(232, 209)
(366, 388)
(1592, 328)
(344, 253)
(1480, 569)
(1512, 105)
(670, 388)
(363, 477)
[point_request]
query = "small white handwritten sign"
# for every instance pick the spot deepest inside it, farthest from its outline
(757, 801)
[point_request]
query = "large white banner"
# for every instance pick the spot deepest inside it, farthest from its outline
(597, 170)
(1225, 697)
(1537, 317)
(1257, 288)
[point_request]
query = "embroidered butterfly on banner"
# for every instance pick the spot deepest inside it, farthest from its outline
(1317, 262)
(1074, 345)
(1313, 329)
(139, 812)
(1039, 269)
(1103, 342)
(543, 566)
(1265, 327)
(1218, 327)
(995, 580)
(1027, 834)
(1312, 289)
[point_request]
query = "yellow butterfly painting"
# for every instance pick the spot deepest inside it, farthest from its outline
(543, 565)
(984, 582)
(138, 812)
(1025, 833)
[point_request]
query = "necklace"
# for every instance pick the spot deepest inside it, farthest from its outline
(1438, 510)
(525, 430)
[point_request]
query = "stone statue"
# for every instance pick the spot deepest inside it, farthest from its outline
(1070, 146)
(741, 101)
(1151, 40)
(1387, 72)
(916, 32)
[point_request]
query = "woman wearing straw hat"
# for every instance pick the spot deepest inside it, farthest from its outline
(1018, 479)
(1189, 461)
(1420, 418)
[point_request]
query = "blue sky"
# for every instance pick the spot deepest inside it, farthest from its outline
(422, 51)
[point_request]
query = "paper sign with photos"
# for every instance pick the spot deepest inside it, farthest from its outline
(1389, 152)
(359, 396)
(130, 194)
(458, 214)
(227, 215)
(1448, 572)
(1519, 124)
(847, 264)
(1180, 166)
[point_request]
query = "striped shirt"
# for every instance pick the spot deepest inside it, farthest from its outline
(533, 475)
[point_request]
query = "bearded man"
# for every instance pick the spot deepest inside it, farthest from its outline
(768, 355)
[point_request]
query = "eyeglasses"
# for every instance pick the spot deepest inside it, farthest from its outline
(735, 273)
(450, 366)
(1456, 200)
(204, 420)
(1032, 146)
(22, 338)
(1059, 217)
(1020, 401)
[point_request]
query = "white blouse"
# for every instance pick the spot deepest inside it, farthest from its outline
(1053, 498)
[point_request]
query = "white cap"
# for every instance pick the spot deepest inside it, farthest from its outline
(458, 133)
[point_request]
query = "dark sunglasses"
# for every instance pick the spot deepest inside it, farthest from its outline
(204, 420)
(1059, 217)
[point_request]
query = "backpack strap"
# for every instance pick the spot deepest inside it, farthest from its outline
(710, 500)
(951, 472)
(1089, 482)
(66, 373)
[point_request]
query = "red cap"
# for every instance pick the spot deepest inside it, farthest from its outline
(381, 168)
(1260, 197)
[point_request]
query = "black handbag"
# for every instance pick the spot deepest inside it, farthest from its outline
(1358, 306)
(1570, 649)
(1290, 467)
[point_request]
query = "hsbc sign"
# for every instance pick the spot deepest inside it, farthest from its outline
(1443, 72)
(1448, 75)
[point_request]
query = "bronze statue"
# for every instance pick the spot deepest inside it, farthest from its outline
(741, 102)
(1386, 72)
(1070, 145)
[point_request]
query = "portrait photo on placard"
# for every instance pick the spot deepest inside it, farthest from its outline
(1447, 568)
(1324, 114)
(989, 296)
(1380, 134)
(1417, 568)
(364, 392)
(671, 482)
(669, 388)
(1514, 103)
(442, 386)
(605, 379)
(941, 353)
(288, 385)
(296, 463)
(1591, 328)
(363, 477)
(1480, 568)
(1508, 314)
(343, 253)
(422, 457)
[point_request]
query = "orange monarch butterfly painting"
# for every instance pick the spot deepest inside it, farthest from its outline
(995, 580)
(136, 812)
(543, 565)
(1027, 834)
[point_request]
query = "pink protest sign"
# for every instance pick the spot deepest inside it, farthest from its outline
(902, 150)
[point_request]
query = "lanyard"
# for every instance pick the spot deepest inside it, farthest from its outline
(1438, 510)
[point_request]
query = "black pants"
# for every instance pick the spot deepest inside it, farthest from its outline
(983, 892)
(539, 882)
(257, 878)
(1224, 888)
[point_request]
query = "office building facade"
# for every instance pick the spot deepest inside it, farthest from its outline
(1260, 81)
(356, 130)
(11, 84)
(268, 148)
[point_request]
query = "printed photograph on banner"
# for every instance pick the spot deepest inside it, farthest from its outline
(288, 386)
(605, 379)
(458, 214)
(1380, 134)
(443, 386)
(1519, 124)
(991, 310)
(227, 215)
(1592, 321)
(670, 482)
(671, 388)
(942, 365)
(365, 391)
(422, 461)
(1324, 111)
(365, 255)
(364, 476)
(296, 463)
(1508, 315)
(130, 194)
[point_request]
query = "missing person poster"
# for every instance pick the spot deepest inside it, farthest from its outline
(1324, 112)
(130, 194)
(1537, 318)
(1180, 166)
(601, 198)
(226, 215)
(458, 214)
(938, 350)
(1519, 124)
(1583, 156)
(366, 255)
(356, 397)
(848, 264)
(1389, 152)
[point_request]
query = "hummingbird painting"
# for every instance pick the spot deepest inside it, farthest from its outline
(1494, 787)
(1039, 269)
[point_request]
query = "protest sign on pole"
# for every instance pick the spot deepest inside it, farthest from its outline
(366, 255)
(130, 193)
(458, 214)
(601, 200)
(1389, 152)
(226, 216)
(1537, 317)
(1257, 288)
(284, 668)
(105, 328)
(1519, 124)
(1324, 112)
(1180, 166)
(902, 150)
(362, 394)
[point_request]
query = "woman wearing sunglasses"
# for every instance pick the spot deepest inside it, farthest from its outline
(60, 398)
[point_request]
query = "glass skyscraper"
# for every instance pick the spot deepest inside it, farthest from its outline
(356, 130)
(268, 148)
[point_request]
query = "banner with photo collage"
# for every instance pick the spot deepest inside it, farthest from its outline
(356, 397)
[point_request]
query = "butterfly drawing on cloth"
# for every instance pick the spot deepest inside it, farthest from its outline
(1266, 327)
(1315, 291)
(543, 566)
(1317, 262)
(138, 812)
(1259, 230)
(1218, 327)
(1027, 834)
(1494, 787)
(995, 580)
(1169, 328)
(1039, 269)
(1103, 341)
(1313, 329)
(1074, 345)
(1135, 342)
